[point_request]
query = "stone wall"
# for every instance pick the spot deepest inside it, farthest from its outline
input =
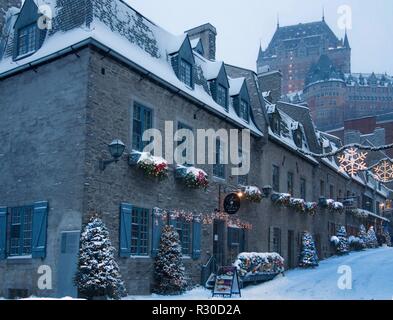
(42, 129)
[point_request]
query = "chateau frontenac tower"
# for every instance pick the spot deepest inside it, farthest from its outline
(294, 49)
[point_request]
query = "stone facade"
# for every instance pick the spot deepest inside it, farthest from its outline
(53, 141)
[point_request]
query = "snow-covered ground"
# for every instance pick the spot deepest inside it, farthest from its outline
(372, 279)
(372, 275)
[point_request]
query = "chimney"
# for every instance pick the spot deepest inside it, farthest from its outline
(207, 33)
(4, 6)
(271, 81)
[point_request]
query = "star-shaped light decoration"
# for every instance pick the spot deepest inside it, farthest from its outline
(383, 171)
(352, 161)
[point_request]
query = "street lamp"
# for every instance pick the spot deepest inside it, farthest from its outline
(116, 149)
(267, 190)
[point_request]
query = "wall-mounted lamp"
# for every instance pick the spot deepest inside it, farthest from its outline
(267, 190)
(116, 149)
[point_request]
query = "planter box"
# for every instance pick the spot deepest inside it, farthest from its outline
(180, 172)
(134, 158)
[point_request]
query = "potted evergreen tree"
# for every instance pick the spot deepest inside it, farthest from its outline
(98, 275)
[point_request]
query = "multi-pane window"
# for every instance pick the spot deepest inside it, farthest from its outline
(140, 232)
(276, 178)
(222, 96)
(219, 166)
(183, 228)
(276, 240)
(331, 191)
(185, 72)
(242, 179)
(182, 126)
(244, 110)
(303, 192)
(322, 188)
(27, 39)
(20, 231)
(142, 121)
(290, 183)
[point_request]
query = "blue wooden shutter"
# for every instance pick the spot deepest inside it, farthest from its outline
(157, 225)
(3, 229)
(40, 223)
(196, 239)
(125, 230)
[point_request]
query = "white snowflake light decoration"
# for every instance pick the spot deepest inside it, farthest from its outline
(352, 161)
(383, 171)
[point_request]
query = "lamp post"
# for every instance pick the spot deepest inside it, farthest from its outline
(116, 149)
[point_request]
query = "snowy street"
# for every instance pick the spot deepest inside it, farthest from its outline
(372, 272)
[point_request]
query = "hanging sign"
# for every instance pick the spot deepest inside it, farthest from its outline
(227, 282)
(232, 203)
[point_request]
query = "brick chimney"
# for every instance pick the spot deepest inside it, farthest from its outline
(207, 33)
(4, 6)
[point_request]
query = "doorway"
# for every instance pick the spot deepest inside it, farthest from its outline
(69, 251)
(218, 242)
(291, 249)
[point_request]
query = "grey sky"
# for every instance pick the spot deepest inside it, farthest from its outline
(242, 24)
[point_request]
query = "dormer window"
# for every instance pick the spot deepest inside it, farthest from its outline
(222, 96)
(27, 39)
(275, 124)
(298, 138)
(185, 73)
(244, 110)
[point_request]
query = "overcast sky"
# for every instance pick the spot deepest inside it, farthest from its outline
(243, 24)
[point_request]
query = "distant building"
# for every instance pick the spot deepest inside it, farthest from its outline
(376, 129)
(294, 49)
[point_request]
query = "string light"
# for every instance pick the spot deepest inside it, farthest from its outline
(205, 218)
(383, 171)
(352, 161)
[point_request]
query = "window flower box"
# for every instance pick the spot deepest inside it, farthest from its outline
(298, 204)
(311, 208)
(282, 199)
(156, 167)
(253, 194)
(193, 178)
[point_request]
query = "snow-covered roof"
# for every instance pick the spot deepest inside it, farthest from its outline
(176, 43)
(126, 34)
(235, 85)
(286, 134)
(194, 42)
(211, 69)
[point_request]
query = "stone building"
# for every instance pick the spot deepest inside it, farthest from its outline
(102, 71)
(294, 49)
(377, 129)
(316, 70)
(333, 95)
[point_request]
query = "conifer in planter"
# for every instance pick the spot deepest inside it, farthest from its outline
(340, 241)
(98, 275)
(169, 272)
(308, 255)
